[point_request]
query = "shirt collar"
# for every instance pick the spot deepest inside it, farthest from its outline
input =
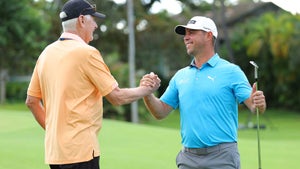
(211, 62)
(68, 35)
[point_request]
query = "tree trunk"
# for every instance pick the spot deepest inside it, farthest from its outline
(3, 79)
(225, 31)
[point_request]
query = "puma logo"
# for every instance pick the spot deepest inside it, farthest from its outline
(211, 78)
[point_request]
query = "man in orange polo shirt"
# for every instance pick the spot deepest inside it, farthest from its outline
(66, 90)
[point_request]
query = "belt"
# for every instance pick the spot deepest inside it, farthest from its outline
(207, 150)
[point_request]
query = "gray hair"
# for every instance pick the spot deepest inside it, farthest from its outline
(70, 25)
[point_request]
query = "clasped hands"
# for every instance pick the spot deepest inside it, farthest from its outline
(151, 80)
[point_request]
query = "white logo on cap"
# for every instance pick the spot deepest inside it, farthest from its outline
(206, 28)
(62, 15)
(192, 22)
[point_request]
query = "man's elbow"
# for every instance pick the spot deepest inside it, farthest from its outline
(31, 101)
(158, 116)
(28, 102)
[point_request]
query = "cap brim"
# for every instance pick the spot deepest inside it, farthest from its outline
(180, 29)
(98, 15)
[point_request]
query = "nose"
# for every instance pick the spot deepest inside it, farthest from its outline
(186, 37)
(95, 26)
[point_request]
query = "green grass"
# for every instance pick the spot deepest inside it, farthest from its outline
(147, 146)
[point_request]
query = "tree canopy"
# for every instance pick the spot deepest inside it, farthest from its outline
(22, 32)
(271, 39)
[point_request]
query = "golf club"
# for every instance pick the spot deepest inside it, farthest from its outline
(257, 114)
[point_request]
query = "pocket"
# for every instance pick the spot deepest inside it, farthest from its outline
(234, 157)
(178, 158)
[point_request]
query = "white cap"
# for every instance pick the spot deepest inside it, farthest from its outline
(198, 23)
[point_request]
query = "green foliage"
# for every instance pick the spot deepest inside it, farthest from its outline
(272, 40)
(156, 43)
(159, 48)
(16, 91)
(156, 47)
(22, 28)
(120, 71)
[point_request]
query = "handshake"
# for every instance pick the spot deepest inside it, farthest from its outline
(150, 81)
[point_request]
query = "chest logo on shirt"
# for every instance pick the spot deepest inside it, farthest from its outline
(183, 81)
(211, 78)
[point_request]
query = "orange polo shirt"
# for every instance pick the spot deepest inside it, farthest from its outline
(71, 78)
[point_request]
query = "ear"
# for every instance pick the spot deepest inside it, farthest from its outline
(210, 35)
(81, 20)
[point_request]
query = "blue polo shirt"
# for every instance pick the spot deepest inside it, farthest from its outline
(208, 99)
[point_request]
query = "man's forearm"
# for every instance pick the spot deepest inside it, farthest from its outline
(37, 109)
(39, 115)
(157, 108)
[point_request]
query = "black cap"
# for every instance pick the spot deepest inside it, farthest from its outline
(75, 8)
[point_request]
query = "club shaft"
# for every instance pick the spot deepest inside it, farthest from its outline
(258, 129)
(258, 138)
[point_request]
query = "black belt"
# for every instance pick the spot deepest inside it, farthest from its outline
(207, 150)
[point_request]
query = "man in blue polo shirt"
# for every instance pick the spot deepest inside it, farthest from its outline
(207, 93)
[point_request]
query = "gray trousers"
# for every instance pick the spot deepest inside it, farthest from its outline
(222, 156)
